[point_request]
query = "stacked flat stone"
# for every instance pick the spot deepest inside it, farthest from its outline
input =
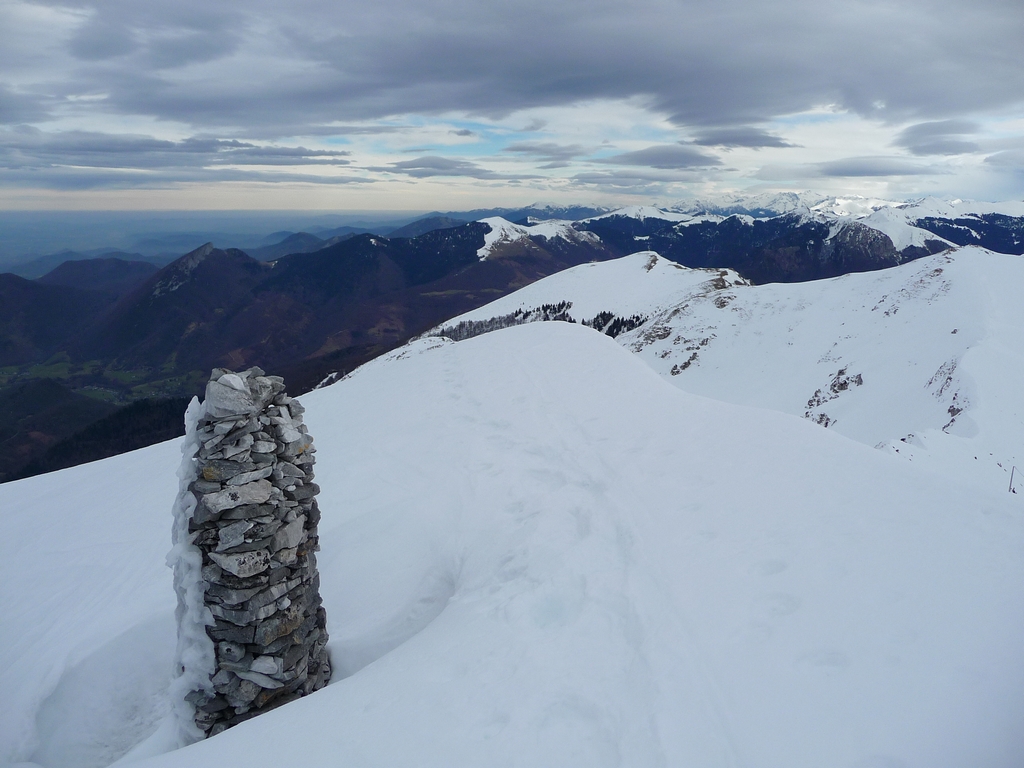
(255, 523)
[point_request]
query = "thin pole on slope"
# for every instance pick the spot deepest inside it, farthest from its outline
(1012, 471)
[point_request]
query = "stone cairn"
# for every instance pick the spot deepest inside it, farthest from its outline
(254, 524)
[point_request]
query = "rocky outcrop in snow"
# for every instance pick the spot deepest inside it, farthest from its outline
(251, 630)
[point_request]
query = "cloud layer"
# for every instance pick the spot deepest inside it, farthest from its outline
(170, 85)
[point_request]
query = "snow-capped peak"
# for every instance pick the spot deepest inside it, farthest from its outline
(643, 212)
(504, 231)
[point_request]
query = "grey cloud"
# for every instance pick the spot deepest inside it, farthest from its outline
(939, 137)
(534, 125)
(703, 63)
(850, 167)
(432, 165)
(874, 166)
(745, 136)
(38, 149)
(1010, 158)
(462, 132)
(117, 178)
(551, 154)
(101, 40)
(643, 179)
(18, 108)
(665, 156)
(270, 71)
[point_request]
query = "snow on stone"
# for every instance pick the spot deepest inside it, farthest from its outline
(536, 552)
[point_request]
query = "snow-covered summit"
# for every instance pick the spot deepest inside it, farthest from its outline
(503, 232)
(643, 212)
(640, 283)
(761, 205)
(905, 358)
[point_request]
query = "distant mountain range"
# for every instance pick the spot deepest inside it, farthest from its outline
(308, 305)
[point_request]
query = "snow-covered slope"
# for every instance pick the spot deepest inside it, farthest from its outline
(537, 552)
(636, 284)
(643, 212)
(924, 359)
(503, 231)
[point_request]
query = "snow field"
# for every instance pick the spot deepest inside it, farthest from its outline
(537, 552)
(936, 333)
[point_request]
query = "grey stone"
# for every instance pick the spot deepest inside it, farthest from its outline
(229, 596)
(203, 514)
(202, 487)
(243, 564)
(287, 469)
(298, 447)
(278, 572)
(268, 665)
(237, 616)
(288, 433)
(290, 535)
(221, 470)
(266, 527)
(250, 493)
(251, 477)
(232, 535)
(214, 705)
(269, 595)
(263, 681)
(235, 666)
(303, 492)
(250, 546)
(223, 427)
(249, 511)
(230, 651)
(283, 623)
(244, 443)
(222, 679)
(234, 634)
(293, 656)
(212, 442)
(244, 693)
(228, 396)
(211, 573)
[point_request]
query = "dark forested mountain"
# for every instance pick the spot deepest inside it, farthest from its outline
(305, 315)
(307, 305)
(294, 242)
(41, 265)
(428, 224)
(788, 248)
(1003, 234)
(108, 275)
(37, 414)
(134, 426)
(36, 319)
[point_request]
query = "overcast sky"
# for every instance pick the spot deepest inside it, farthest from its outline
(417, 104)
